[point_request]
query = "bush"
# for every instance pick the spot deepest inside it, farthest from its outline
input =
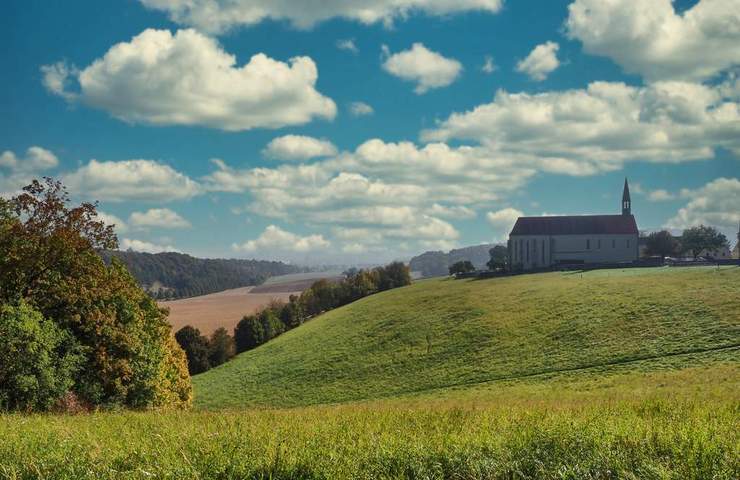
(463, 266)
(221, 347)
(248, 333)
(38, 360)
(196, 349)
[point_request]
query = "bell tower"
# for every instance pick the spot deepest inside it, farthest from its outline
(626, 202)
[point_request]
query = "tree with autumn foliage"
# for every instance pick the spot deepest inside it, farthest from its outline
(49, 262)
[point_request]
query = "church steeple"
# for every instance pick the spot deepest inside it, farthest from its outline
(626, 201)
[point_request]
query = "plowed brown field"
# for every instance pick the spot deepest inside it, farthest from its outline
(222, 309)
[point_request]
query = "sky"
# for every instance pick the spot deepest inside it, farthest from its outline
(348, 131)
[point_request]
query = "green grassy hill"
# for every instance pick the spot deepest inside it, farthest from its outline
(441, 336)
(606, 375)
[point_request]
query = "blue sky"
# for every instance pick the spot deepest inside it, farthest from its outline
(163, 113)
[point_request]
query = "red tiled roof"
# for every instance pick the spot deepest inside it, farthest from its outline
(576, 225)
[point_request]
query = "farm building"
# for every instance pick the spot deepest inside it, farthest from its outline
(540, 242)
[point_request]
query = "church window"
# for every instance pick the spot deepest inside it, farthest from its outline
(614, 243)
(628, 243)
(588, 244)
(598, 245)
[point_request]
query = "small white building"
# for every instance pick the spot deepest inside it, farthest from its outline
(541, 242)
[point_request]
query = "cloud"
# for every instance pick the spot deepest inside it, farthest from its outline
(348, 44)
(275, 239)
(383, 192)
(488, 65)
(36, 159)
(17, 172)
(651, 39)
(138, 180)
(110, 219)
(717, 204)
(298, 147)
(146, 247)
(158, 218)
(427, 68)
(456, 212)
(187, 79)
(503, 221)
(218, 16)
(540, 62)
(599, 128)
(359, 109)
(660, 195)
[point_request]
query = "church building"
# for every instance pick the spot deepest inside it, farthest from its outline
(541, 242)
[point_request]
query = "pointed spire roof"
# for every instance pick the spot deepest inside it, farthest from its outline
(626, 191)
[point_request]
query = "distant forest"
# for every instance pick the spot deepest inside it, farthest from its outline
(435, 264)
(175, 275)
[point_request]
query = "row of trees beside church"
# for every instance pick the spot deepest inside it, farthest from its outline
(692, 242)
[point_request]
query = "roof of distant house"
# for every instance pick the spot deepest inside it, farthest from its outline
(577, 225)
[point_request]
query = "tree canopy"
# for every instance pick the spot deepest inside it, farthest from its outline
(463, 266)
(499, 256)
(50, 263)
(697, 239)
(662, 244)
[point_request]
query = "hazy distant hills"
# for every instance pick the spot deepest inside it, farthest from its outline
(434, 264)
(177, 275)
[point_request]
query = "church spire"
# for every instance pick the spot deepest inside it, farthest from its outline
(626, 202)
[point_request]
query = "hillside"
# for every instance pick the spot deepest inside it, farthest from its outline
(436, 264)
(443, 334)
(177, 275)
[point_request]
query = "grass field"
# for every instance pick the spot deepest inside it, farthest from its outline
(607, 375)
(443, 333)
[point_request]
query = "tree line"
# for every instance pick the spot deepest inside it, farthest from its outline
(693, 242)
(279, 317)
(173, 275)
(75, 332)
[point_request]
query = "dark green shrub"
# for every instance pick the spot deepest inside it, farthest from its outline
(196, 349)
(38, 360)
(221, 347)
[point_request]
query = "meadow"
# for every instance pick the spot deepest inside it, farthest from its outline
(441, 334)
(606, 375)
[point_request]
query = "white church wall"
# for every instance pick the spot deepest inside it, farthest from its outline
(541, 251)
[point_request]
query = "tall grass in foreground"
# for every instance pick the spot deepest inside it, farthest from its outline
(651, 439)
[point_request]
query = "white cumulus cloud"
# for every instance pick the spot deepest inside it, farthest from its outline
(652, 39)
(144, 246)
(540, 62)
(109, 219)
(17, 172)
(131, 180)
(503, 221)
(187, 79)
(158, 218)
(717, 204)
(298, 147)
(660, 195)
(276, 239)
(426, 68)
(599, 128)
(218, 16)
